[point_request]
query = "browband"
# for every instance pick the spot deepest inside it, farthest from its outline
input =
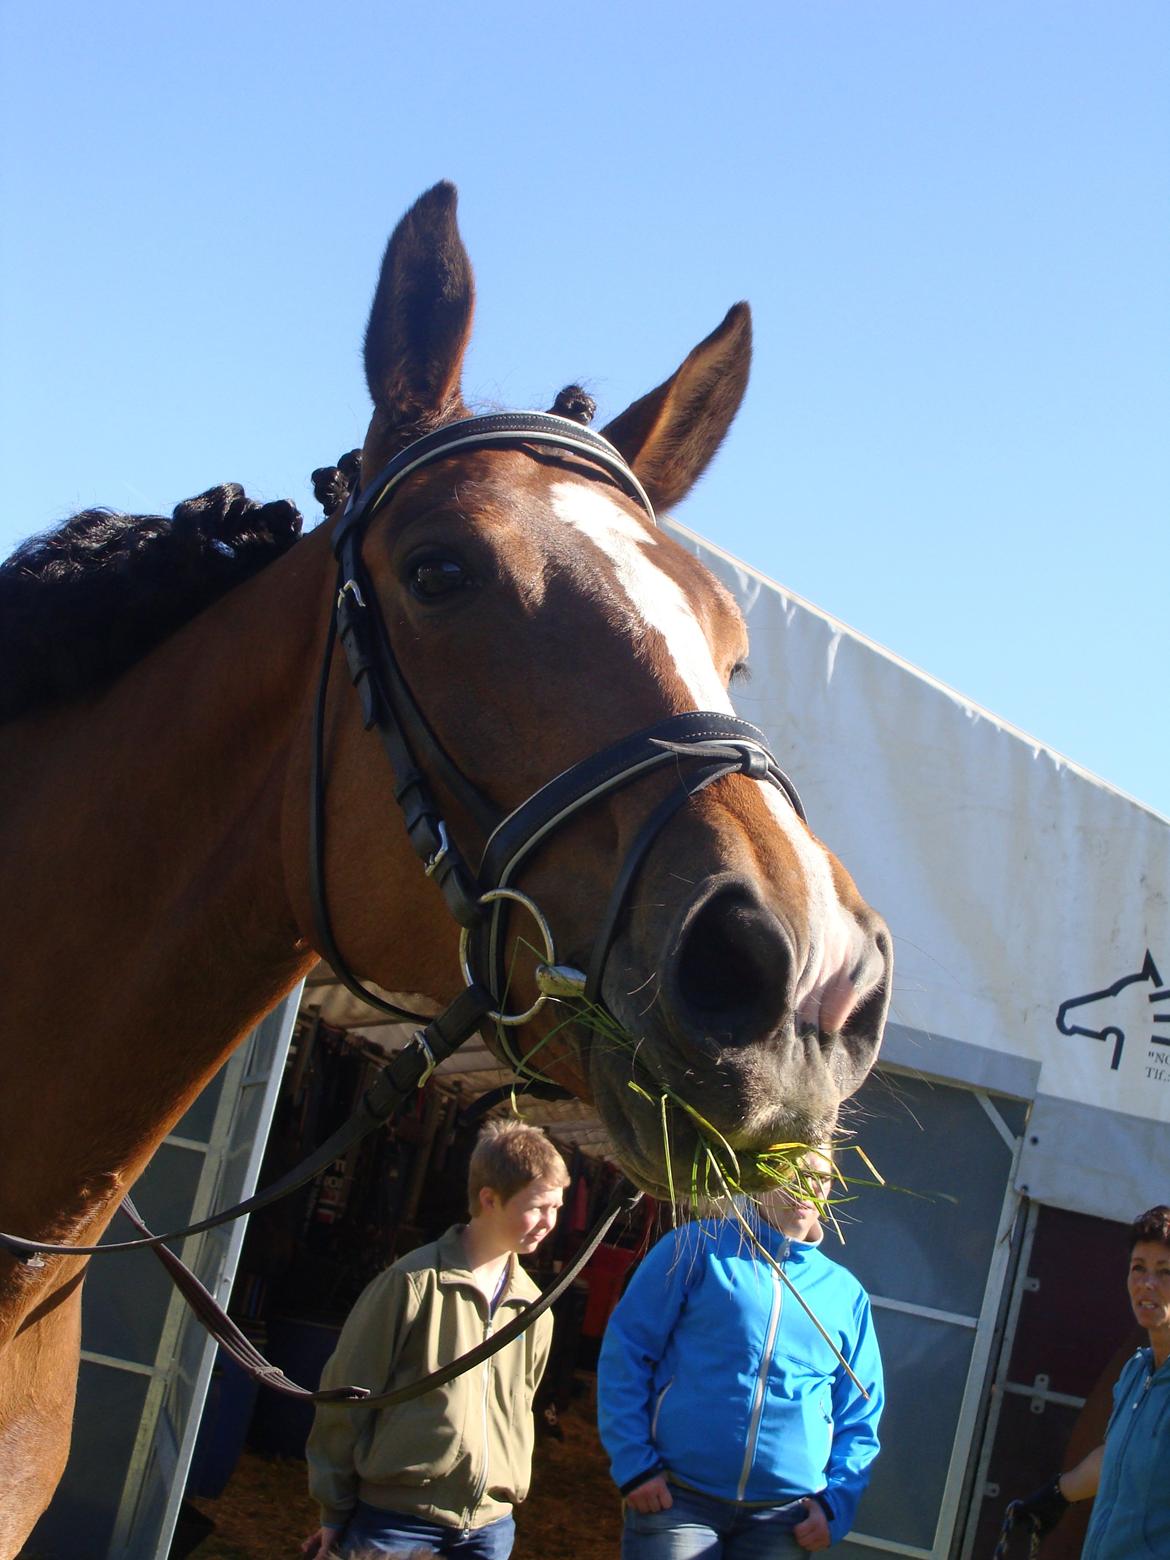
(494, 430)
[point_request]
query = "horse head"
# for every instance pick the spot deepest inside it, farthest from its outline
(1113, 1019)
(538, 616)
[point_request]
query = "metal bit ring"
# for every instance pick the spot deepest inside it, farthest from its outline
(512, 1020)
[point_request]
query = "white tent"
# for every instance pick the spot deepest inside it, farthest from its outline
(1025, 1071)
(1028, 899)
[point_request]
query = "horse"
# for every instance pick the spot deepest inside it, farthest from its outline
(156, 806)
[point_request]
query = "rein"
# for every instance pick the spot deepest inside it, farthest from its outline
(236, 1344)
(700, 746)
(1009, 1522)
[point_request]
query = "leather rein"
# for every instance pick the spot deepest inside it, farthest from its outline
(699, 746)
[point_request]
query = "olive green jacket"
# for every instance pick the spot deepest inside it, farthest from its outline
(459, 1455)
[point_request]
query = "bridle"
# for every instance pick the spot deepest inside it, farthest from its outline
(699, 746)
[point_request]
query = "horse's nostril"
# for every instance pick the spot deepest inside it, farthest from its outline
(730, 973)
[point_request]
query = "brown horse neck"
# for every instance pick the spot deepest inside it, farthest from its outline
(157, 887)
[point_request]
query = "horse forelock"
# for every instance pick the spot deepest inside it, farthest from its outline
(81, 604)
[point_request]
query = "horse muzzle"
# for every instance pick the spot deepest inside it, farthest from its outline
(753, 1029)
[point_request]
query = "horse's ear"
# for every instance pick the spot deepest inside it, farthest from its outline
(421, 316)
(670, 435)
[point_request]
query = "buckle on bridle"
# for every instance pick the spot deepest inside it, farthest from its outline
(434, 860)
(420, 1040)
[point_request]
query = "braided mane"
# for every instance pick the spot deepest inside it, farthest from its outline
(81, 604)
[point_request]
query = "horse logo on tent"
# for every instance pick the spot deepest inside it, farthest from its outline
(1112, 1032)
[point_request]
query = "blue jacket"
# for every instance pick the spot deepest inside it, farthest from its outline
(1131, 1514)
(712, 1371)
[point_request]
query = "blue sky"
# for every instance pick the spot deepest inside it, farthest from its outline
(952, 222)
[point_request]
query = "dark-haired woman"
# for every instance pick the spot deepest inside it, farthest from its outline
(1130, 1472)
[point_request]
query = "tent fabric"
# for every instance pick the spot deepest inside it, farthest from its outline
(1027, 898)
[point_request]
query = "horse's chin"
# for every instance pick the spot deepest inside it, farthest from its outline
(747, 1107)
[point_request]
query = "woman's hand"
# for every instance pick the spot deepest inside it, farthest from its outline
(654, 1495)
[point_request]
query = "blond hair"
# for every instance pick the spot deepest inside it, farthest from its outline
(508, 1156)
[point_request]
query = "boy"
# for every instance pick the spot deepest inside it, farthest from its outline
(445, 1469)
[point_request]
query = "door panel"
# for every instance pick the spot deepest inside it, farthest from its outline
(933, 1255)
(146, 1362)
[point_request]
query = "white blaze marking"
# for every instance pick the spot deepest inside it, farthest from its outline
(654, 596)
(835, 937)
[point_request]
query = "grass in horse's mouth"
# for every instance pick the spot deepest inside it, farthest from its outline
(714, 1160)
(716, 1175)
(717, 1172)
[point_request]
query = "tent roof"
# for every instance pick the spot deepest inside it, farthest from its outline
(472, 1070)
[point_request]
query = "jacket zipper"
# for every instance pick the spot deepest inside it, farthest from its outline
(658, 1409)
(761, 1378)
(1127, 1425)
(481, 1482)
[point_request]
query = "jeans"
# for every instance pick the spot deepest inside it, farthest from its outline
(701, 1527)
(375, 1532)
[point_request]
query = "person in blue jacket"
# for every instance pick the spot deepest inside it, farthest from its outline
(1129, 1473)
(732, 1427)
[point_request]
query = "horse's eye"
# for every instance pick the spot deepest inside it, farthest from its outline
(741, 672)
(430, 579)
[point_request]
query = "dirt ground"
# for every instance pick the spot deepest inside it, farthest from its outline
(573, 1512)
